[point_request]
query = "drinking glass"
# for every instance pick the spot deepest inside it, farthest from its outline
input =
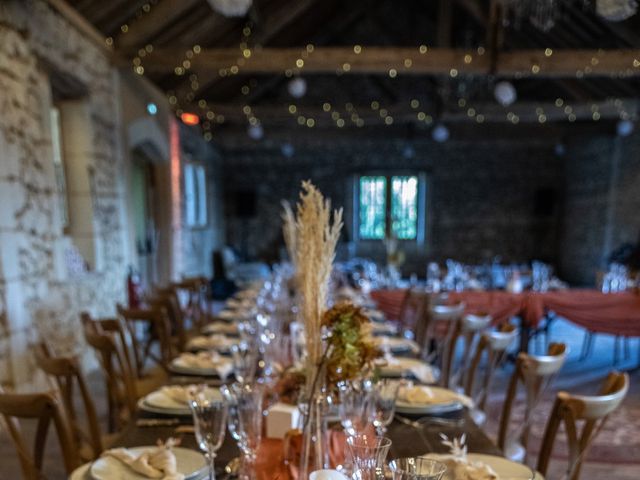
(385, 394)
(369, 453)
(356, 406)
(209, 420)
(233, 422)
(250, 400)
(417, 468)
(244, 357)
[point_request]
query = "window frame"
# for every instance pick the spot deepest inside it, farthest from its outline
(421, 221)
(198, 171)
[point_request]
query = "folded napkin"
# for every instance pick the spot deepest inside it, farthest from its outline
(180, 393)
(154, 462)
(462, 468)
(206, 360)
(213, 341)
(420, 370)
(221, 327)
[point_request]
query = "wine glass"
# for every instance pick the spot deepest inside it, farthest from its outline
(209, 420)
(369, 453)
(244, 357)
(417, 468)
(356, 406)
(250, 399)
(385, 394)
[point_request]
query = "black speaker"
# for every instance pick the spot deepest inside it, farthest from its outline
(245, 202)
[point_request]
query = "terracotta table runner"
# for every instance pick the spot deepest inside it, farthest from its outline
(613, 313)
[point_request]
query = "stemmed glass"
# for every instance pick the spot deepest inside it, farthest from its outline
(244, 357)
(356, 406)
(385, 394)
(209, 419)
(369, 453)
(417, 468)
(249, 405)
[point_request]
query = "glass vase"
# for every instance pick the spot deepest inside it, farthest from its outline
(314, 454)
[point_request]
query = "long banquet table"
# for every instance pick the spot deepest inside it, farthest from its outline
(407, 441)
(612, 313)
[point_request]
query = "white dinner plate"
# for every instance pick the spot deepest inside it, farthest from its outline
(451, 401)
(190, 463)
(505, 469)
(159, 402)
(396, 344)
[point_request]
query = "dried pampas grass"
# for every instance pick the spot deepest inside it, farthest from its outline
(289, 231)
(316, 239)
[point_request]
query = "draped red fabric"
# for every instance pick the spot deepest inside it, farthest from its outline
(613, 313)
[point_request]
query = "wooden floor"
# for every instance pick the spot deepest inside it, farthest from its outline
(577, 375)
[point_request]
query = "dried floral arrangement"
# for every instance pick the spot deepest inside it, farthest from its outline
(315, 240)
(289, 231)
(350, 350)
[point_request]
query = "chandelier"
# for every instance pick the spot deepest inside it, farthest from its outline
(231, 8)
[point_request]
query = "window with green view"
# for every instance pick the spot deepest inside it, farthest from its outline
(388, 203)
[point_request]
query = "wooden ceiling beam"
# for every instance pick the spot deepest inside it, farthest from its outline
(144, 28)
(436, 61)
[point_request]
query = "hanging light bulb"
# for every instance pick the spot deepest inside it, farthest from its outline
(231, 8)
(616, 10)
(624, 128)
(505, 93)
(255, 132)
(440, 133)
(297, 87)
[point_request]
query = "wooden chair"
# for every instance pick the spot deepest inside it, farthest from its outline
(443, 329)
(570, 409)
(471, 330)
(198, 307)
(493, 345)
(413, 312)
(46, 408)
(67, 374)
(148, 326)
(122, 393)
(535, 373)
(167, 299)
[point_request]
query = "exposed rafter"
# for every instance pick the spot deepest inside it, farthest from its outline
(410, 61)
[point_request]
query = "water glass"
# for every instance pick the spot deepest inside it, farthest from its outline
(417, 468)
(209, 420)
(385, 394)
(244, 357)
(233, 421)
(356, 406)
(369, 453)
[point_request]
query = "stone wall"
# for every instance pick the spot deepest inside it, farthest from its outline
(480, 194)
(36, 291)
(602, 203)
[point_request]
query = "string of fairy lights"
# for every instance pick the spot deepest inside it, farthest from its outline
(347, 114)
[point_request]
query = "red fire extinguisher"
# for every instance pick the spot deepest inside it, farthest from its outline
(133, 288)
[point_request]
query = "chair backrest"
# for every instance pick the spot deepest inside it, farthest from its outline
(535, 373)
(103, 337)
(46, 408)
(67, 375)
(197, 305)
(592, 411)
(471, 329)
(442, 332)
(155, 326)
(413, 312)
(168, 299)
(493, 345)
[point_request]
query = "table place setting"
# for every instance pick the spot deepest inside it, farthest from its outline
(165, 461)
(204, 363)
(422, 399)
(218, 342)
(225, 328)
(396, 344)
(174, 399)
(403, 367)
